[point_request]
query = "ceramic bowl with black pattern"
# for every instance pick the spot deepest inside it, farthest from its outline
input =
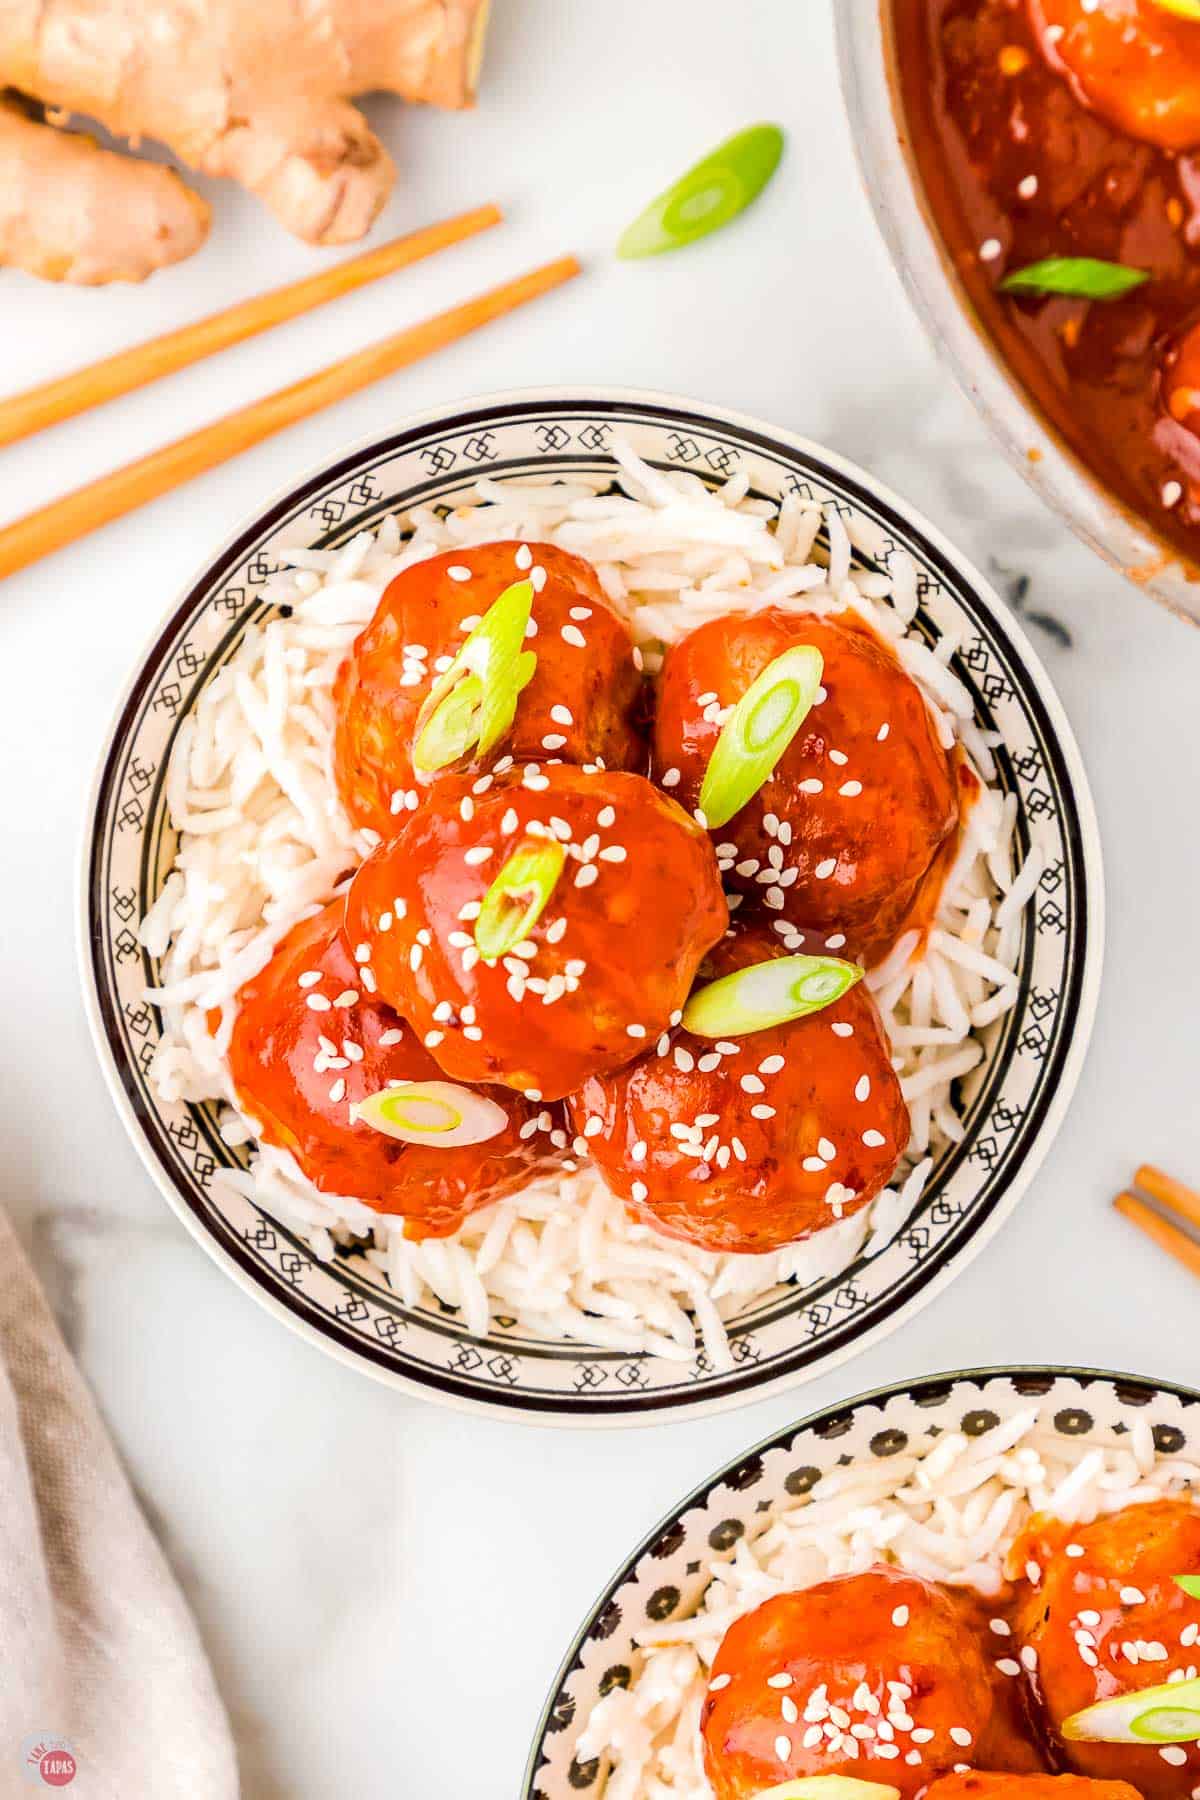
(1077, 1410)
(1011, 1104)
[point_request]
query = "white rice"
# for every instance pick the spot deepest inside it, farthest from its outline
(948, 1514)
(263, 840)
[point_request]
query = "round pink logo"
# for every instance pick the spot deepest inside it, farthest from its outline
(57, 1768)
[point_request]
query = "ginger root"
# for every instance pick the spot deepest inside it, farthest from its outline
(256, 91)
(70, 211)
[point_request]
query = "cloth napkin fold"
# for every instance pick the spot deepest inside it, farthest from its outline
(100, 1662)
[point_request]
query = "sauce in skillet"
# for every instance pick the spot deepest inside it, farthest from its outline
(1025, 155)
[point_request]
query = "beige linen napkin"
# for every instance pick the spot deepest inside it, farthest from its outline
(98, 1651)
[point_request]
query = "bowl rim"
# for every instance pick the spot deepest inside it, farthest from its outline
(777, 1439)
(1122, 537)
(324, 1334)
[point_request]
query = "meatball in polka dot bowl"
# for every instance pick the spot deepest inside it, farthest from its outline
(592, 908)
(979, 1586)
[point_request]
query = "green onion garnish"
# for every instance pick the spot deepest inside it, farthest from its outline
(1189, 1583)
(759, 730)
(830, 1787)
(513, 904)
(431, 1112)
(708, 196)
(1169, 1714)
(768, 993)
(1083, 277)
(474, 702)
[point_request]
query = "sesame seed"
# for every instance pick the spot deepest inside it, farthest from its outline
(839, 757)
(670, 778)
(317, 1003)
(841, 1029)
(762, 1112)
(585, 876)
(813, 1165)
(826, 868)
(432, 1039)
(826, 1149)
(310, 978)
(524, 557)
(874, 1140)
(635, 1031)
(812, 786)
(750, 1084)
(614, 853)
(388, 1038)
(1007, 1666)
(553, 740)
(900, 1617)
(639, 1190)
(783, 1747)
(1172, 493)
(1131, 1596)
(478, 853)
(718, 1682)
(458, 572)
(1174, 1754)
(850, 789)
(1028, 187)
(1001, 1627)
(1029, 1657)
(862, 1087)
(770, 1065)
(882, 733)
(1074, 1550)
(1033, 1573)
(572, 635)
(990, 249)
(960, 1735)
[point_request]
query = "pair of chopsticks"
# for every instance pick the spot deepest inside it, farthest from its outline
(1175, 1202)
(87, 508)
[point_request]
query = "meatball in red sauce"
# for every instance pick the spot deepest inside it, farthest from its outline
(1133, 61)
(841, 836)
(977, 1784)
(580, 705)
(880, 1676)
(748, 1143)
(1091, 1594)
(595, 963)
(309, 1042)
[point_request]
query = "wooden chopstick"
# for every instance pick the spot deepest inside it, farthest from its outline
(51, 527)
(1160, 1230)
(37, 407)
(1169, 1193)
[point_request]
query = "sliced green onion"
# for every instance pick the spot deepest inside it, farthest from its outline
(1189, 1583)
(513, 904)
(1083, 277)
(759, 730)
(474, 702)
(830, 1787)
(1182, 9)
(1169, 1714)
(712, 193)
(431, 1112)
(768, 993)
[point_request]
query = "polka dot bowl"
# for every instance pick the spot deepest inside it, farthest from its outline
(666, 1575)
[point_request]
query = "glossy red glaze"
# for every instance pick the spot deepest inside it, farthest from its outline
(379, 691)
(841, 1643)
(1132, 60)
(979, 1785)
(1031, 149)
(1123, 1583)
(288, 1060)
(765, 1197)
(851, 857)
(617, 945)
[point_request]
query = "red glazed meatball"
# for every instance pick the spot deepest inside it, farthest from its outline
(841, 837)
(978, 1785)
(1087, 1592)
(605, 964)
(1134, 61)
(309, 1042)
(879, 1676)
(750, 1143)
(580, 705)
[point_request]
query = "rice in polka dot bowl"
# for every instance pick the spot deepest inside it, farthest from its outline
(592, 908)
(984, 1586)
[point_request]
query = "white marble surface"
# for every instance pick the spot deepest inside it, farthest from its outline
(385, 1587)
